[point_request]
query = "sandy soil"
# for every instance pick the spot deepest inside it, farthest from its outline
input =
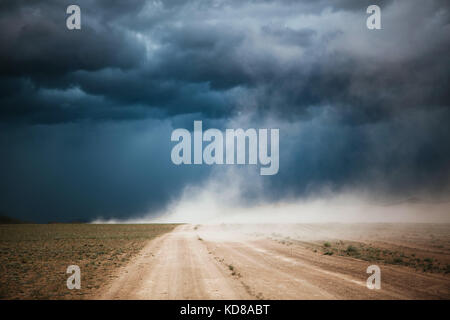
(206, 262)
(34, 257)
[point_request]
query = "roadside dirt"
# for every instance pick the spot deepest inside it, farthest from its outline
(210, 262)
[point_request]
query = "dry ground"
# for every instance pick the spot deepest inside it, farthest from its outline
(316, 261)
(288, 262)
(34, 258)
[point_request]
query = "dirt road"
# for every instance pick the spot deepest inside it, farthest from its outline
(206, 263)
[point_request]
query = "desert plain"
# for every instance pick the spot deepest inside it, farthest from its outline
(225, 261)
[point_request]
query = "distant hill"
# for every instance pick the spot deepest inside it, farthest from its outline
(75, 221)
(8, 220)
(4, 219)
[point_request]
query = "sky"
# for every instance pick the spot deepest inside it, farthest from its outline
(86, 115)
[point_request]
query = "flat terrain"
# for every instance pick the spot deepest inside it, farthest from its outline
(34, 258)
(304, 261)
(288, 262)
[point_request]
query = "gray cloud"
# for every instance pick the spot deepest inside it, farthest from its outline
(80, 171)
(356, 108)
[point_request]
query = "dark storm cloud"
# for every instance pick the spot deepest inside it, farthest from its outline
(83, 171)
(35, 40)
(190, 60)
(356, 108)
(404, 156)
(151, 61)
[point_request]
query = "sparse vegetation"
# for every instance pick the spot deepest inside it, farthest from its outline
(34, 258)
(425, 248)
(398, 261)
(369, 252)
(351, 250)
(233, 270)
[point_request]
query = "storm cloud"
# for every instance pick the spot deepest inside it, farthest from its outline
(86, 115)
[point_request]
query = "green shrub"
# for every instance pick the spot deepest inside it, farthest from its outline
(351, 250)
